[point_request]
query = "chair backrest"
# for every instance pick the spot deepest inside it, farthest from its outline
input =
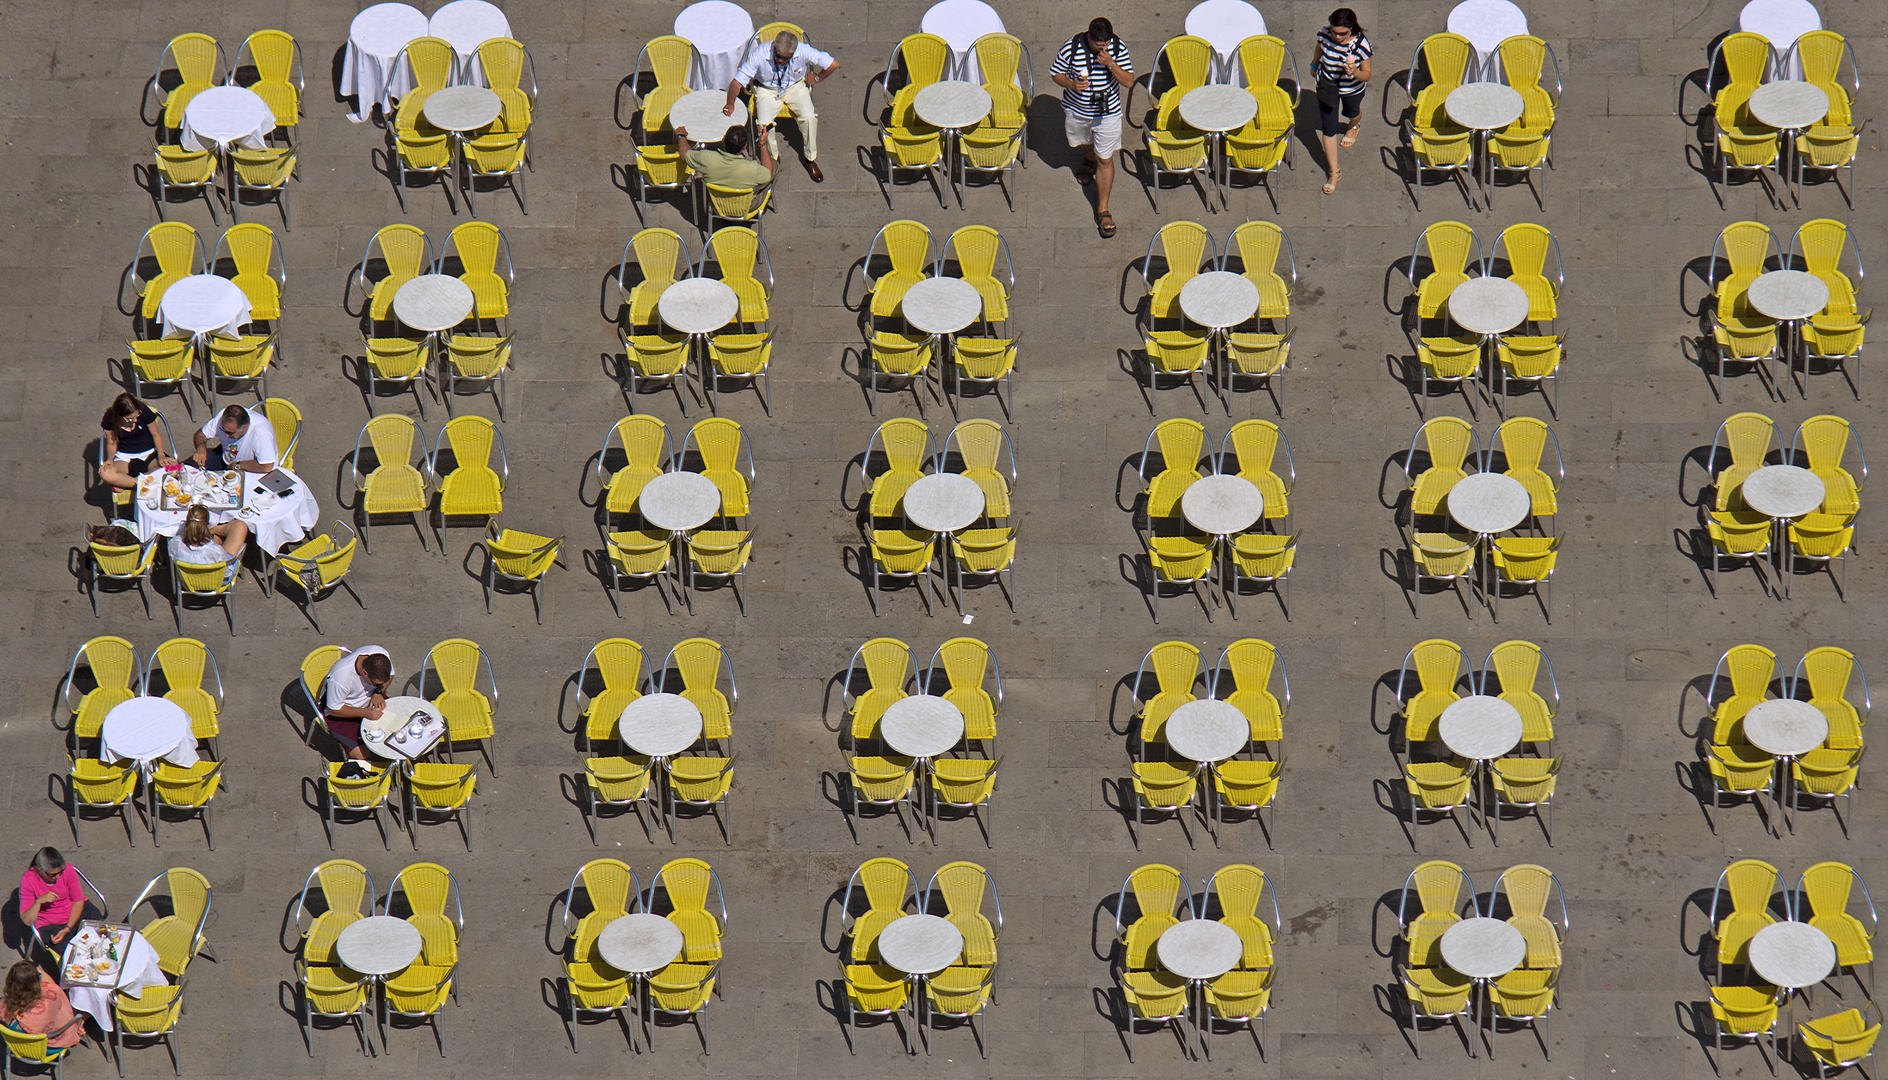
(1829, 671)
(470, 438)
(112, 661)
(887, 663)
(1445, 59)
(393, 438)
(502, 60)
(1746, 245)
(1258, 244)
(1516, 664)
(1262, 58)
(719, 441)
(286, 419)
(967, 662)
(1450, 245)
(1527, 247)
(277, 58)
(1176, 666)
(1158, 889)
(1523, 442)
(644, 439)
(1823, 440)
(1528, 888)
(976, 248)
(1255, 445)
(1827, 887)
(906, 444)
(686, 883)
(887, 884)
(1440, 886)
(699, 662)
(964, 885)
(609, 884)
(1745, 58)
(999, 56)
(404, 250)
(198, 60)
(183, 661)
(925, 60)
(1188, 65)
(1181, 441)
(456, 663)
(345, 885)
(1240, 889)
(252, 248)
(1186, 245)
(670, 58)
(1522, 58)
(1822, 245)
(736, 251)
(661, 255)
(1749, 882)
(907, 244)
(478, 245)
(982, 445)
(1437, 663)
(1449, 440)
(432, 62)
(1250, 662)
(1748, 436)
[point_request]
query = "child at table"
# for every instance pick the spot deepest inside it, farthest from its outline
(200, 542)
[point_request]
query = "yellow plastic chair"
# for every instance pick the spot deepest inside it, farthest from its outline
(717, 555)
(418, 991)
(702, 783)
(964, 887)
(286, 419)
(1161, 895)
(397, 254)
(1828, 888)
(159, 364)
(616, 782)
(684, 884)
(1835, 335)
(983, 553)
(887, 669)
(521, 558)
(175, 168)
(973, 251)
(1821, 775)
(1437, 993)
(1176, 667)
(1519, 149)
(1254, 445)
(658, 165)
(968, 664)
(1530, 889)
(1830, 672)
(902, 554)
(1740, 769)
(1529, 358)
(402, 363)
(198, 63)
(113, 565)
(610, 679)
(591, 987)
(1523, 997)
(1824, 539)
(314, 672)
(506, 65)
(1445, 252)
(151, 1017)
(1155, 997)
(472, 488)
(1426, 685)
(395, 485)
(203, 582)
(95, 785)
(668, 59)
(323, 992)
(661, 259)
(740, 358)
(182, 664)
(363, 797)
(1742, 141)
(1172, 146)
(903, 446)
(1185, 562)
(1745, 1013)
(1257, 246)
(428, 889)
(167, 252)
(441, 790)
(322, 565)
(346, 893)
(1261, 357)
(994, 146)
(237, 365)
(1747, 439)
(1751, 670)
(741, 206)
(1842, 1040)
(920, 60)
(1261, 58)
(721, 451)
(1822, 443)
(423, 152)
(1522, 251)
(642, 555)
(961, 993)
(479, 247)
(1449, 360)
(1452, 446)
(884, 781)
(1447, 557)
(1238, 998)
(966, 785)
(1526, 784)
(1265, 558)
(700, 663)
(433, 64)
(1007, 73)
(1828, 147)
(267, 171)
(1439, 787)
(611, 890)
(1739, 535)
(497, 155)
(1162, 788)
(275, 74)
(645, 452)
(879, 991)
(1175, 354)
(455, 664)
(190, 790)
(898, 258)
(1528, 562)
(1522, 62)
(737, 253)
(909, 145)
(1240, 893)
(899, 362)
(984, 362)
(1245, 670)
(1182, 444)
(661, 358)
(888, 888)
(1185, 250)
(1747, 885)
(1437, 144)
(1742, 251)
(1517, 669)
(1431, 901)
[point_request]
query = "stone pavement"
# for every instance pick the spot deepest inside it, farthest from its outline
(1634, 634)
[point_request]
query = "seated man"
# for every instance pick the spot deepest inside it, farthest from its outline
(728, 166)
(237, 438)
(357, 690)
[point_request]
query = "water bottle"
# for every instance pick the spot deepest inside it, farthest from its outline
(111, 950)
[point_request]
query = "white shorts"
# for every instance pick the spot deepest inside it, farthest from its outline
(1104, 133)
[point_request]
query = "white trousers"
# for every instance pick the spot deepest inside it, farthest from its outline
(796, 100)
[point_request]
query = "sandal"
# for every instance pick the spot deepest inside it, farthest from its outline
(1105, 222)
(1330, 186)
(1085, 174)
(1349, 139)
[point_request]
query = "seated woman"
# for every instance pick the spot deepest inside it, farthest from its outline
(200, 542)
(33, 1003)
(132, 446)
(51, 899)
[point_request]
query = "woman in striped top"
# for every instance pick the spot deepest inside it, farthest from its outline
(1342, 66)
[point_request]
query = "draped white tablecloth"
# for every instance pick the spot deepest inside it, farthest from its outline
(274, 521)
(1224, 24)
(203, 304)
(467, 24)
(721, 33)
(960, 23)
(375, 37)
(145, 729)
(1781, 22)
(225, 115)
(1486, 24)
(138, 970)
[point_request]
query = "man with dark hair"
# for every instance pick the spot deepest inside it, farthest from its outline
(1092, 69)
(237, 438)
(357, 690)
(727, 166)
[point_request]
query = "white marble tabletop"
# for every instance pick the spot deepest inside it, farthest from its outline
(1480, 727)
(953, 104)
(1785, 727)
(386, 737)
(1783, 491)
(1789, 103)
(378, 945)
(1219, 298)
(1222, 505)
(1488, 305)
(461, 108)
(943, 502)
(1488, 502)
(942, 305)
(698, 305)
(1483, 948)
(920, 944)
(1218, 107)
(1487, 23)
(1788, 294)
(1792, 954)
(433, 302)
(1199, 948)
(660, 725)
(639, 943)
(202, 303)
(699, 113)
(1484, 105)
(922, 725)
(679, 501)
(1207, 730)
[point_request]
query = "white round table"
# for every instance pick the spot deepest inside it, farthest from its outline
(920, 944)
(1789, 103)
(433, 302)
(960, 23)
(640, 943)
(1488, 502)
(699, 114)
(378, 945)
(698, 305)
(679, 501)
(1483, 948)
(1792, 954)
(943, 502)
(952, 104)
(922, 725)
(1224, 24)
(1219, 298)
(942, 305)
(1788, 294)
(1207, 730)
(274, 521)
(721, 33)
(465, 25)
(1484, 105)
(1222, 505)
(223, 115)
(1781, 22)
(374, 39)
(203, 304)
(1199, 949)
(1783, 491)
(1218, 107)
(1786, 728)
(1487, 23)
(659, 725)
(462, 108)
(145, 729)
(1488, 305)
(388, 738)
(1480, 727)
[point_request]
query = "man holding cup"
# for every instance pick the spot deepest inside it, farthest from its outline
(1092, 69)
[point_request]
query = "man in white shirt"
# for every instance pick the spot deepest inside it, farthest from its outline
(781, 76)
(237, 438)
(357, 690)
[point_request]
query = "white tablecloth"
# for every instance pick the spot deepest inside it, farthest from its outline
(467, 24)
(145, 729)
(960, 23)
(373, 40)
(1224, 24)
(138, 970)
(1781, 22)
(203, 304)
(1486, 24)
(274, 521)
(223, 115)
(721, 33)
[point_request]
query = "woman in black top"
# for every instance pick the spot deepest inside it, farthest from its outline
(1342, 66)
(132, 445)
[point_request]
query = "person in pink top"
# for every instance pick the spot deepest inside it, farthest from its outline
(51, 900)
(33, 1003)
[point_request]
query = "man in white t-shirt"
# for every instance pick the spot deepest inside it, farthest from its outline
(237, 438)
(357, 690)
(780, 75)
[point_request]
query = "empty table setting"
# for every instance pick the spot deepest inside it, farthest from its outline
(226, 116)
(721, 33)
(374, 41)
(1484, 107)
(1483, 948)
(203, 304)
(1488, 305)
(1222, 505)
(922, 726)
(145, 729)
(679, 501)
(659, 725)
(940, 305)
(920, 944)
(1219, 300)
(465, 25)
(433, 302)
(1789, 297)
(1794, 956)
(960, 23)
(1217, 109)
(1207, 730)
(953, 106)
(1789, 729)
(943, 502)
(698, 305)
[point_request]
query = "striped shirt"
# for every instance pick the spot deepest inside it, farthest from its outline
(1078, 61)
(1332, 56)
